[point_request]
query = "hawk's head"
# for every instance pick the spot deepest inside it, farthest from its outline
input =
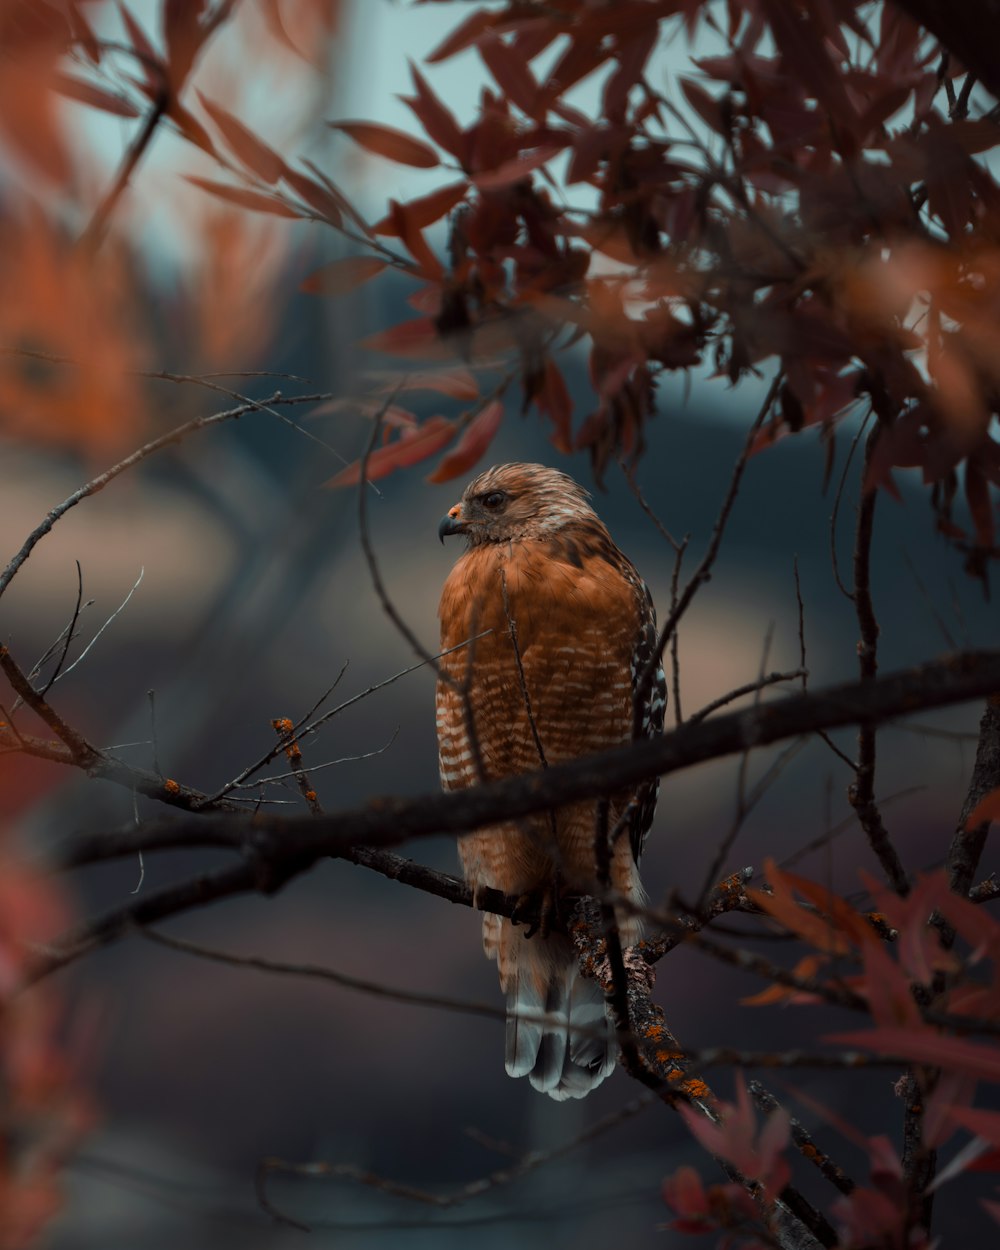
(516, 501)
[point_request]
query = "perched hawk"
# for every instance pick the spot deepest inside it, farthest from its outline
(571, 627)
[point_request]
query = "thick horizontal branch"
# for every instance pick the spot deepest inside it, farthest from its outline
(390, 821)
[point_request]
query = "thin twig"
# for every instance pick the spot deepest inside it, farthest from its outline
(804, 670)
(704, 569)
(861, 793)
(750, 687)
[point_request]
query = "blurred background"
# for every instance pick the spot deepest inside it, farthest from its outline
(254, 595)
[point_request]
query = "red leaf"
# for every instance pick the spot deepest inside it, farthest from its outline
(463, 36)
(708, 108)
(409, 449)
(316, 195)
(84, 35)
(418, 337)
(581, 58)
(426, 210)
(479, 433)
(632, 57)
(248, 148)
(685, 1195)
(183, 34)
(192, 129)
(456, 383)
(146, 54)
(987, 809)
(392, 416)
(255, 200)
(96, 97)
(515, 170)
(780, 903)
(553, 398)
(927, 1046)
(341, 276)
(338, 197)
(437, 120)
(415, 243)
(393, 144)
(510, 72)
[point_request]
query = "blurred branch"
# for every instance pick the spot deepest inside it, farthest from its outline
(474, 1189)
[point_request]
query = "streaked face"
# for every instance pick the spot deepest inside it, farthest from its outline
(513, 501)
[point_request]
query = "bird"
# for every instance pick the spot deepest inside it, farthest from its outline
(560, 659)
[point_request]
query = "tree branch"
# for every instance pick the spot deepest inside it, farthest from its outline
(388, 821)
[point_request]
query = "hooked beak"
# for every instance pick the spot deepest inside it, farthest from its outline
(452, 523)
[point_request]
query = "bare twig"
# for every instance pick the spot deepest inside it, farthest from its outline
(803, 667)
(861, 793)
(751, 687)
(82, 753)
(704, 569)
(68, 635)
(804, 1141)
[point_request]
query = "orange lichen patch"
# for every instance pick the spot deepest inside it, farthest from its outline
(695, 1088)
(171, 786)
(311, 796)
(654, 1032)
(282, 725)
(810, 1151)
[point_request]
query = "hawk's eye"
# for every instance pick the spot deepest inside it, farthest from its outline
(495, 499)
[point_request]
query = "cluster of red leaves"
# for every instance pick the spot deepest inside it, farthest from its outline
(759, 1157)
(925, 998)
(815, 199)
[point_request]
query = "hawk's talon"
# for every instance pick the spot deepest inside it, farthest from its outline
(541, 910)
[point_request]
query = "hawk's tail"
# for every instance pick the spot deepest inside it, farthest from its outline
(571, 1053)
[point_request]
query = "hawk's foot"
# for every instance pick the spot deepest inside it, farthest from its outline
(541, 909)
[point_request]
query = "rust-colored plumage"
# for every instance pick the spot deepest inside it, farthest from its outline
(567, 626)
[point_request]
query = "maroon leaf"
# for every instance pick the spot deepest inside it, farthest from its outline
(479, 433)
(464, 35)
(252, 151)
(410, 448)
(426, 210)
(393, 144)
(928, 1046)
(96, 97)
(515, 170)
(146, 54)
(341, 276)
(437, 120)
(245, 198)
(511, 73)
